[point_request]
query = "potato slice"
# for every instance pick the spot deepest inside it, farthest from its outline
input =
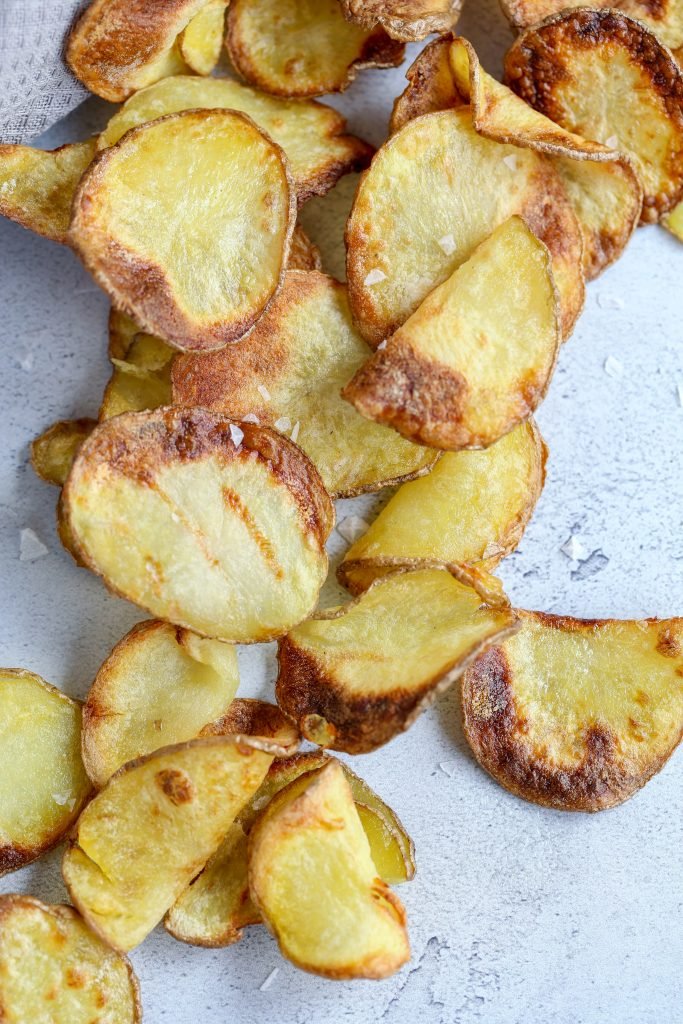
(55, 450)
(312, 877)
(210, 289)
(472, 508)
(476, 357)
(310, 133)
(267, 727)
(638, 107)
(161, 684)
(37, 186)
(405, 19)
(122, 331)
(290, 371)
(434, 192)
(577, 714)
(354, 677)
(52, 968)
(303, 253)
(213, 526)
(673, 221)
(141, 379)
(202, 40)
(303, 47)
(44, 785)
(145, 836)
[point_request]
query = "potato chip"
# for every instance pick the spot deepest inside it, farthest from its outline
(310, 133)
(638, 107)
(577, 714)
(431, 86)
(43, 782)
(145, 836)
(405, 19)
(212, 525)
(673, 221)
(54, 451)
(122, 330)
(355, 676)
(53, 968)
(303, 47)
(201, 40)
(160, 685)
(312, 877)
(476, 357)
(303, 253)
(211, 289)
(472, 508)
(433, 193)
(141, 380)
(37, 186)
(288, 374)
(264, 723)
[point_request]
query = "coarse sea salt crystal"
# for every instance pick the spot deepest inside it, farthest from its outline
(26, 362)
(263, 392)
(236, 434)
(607, 301)
(510, 161)
(251, 417)
(613, 368)
(447, 243)
(382, 345)
(284, 423)
(679, 389)
(64, 800)
(574, 549)
(612, 142)
(30, 546)
(269, 980)
(448, 768)
(352, 528)
(374, 277)
(295, 431)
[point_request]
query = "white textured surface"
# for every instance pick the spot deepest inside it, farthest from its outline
(518, 915)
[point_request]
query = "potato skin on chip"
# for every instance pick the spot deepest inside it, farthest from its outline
(267, 727)
(405, 19)
(52, 967)
(211, 290)
(577, 714)
(214, 526)
(52, 453)
(354, 677)
(43, 784)
(303, 47)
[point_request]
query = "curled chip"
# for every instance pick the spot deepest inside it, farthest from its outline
(311, 134)
(43, 782)
(433, 193)
(186, 224)
(264, 723)
(472, 508)
(202, 40)
(145, 836)
(54, 451)
(303, 253)
(303, 47)
(405, 19)
(288, 374)
(141, 378)
(37, 186)
(212, 525)
(476, 357)
(577, 714)
(53, 968)
(311, 875)
(638, 107)
(161, 684)
(353, 677)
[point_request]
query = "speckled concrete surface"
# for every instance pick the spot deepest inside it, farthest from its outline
(518, 915)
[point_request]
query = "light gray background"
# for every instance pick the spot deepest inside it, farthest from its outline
(517, 915)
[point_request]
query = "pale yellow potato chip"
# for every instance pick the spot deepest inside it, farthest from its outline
(201, 40)
(54, 451)
(141, 379)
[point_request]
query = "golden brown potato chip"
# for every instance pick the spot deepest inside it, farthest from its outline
(141, 379)
(267, 727)
(431, 86)
(310, 133)
(212, 525)
(405, 19)
(145, 836)
(53, 968)
(191, 261)
(312, 877)
(303, 253)
(201, 40)
(355, 676)
(433, 193)
(160, 685)
(54, 451)
(37, 186)
(577, 714)
(476, 357)
(288, 374)
(472, 508)
(43, 784)
(122, 331)
(638, 107)
(303, 47)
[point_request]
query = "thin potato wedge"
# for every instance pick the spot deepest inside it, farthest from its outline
(145, 836)
(405, 19)
(160, 685)
(472, 508)
(141, 379)
(53, 968)
(312, 877)
(43, 781)
(303, 47)
(210, 289)
(53, 453)
(638, 107)
(433, 193)
(213, 526)
(290, 371)
(356, 676)
(201, 40)
(37, 186)
(311, 134)
(577, 714)
(476, 357)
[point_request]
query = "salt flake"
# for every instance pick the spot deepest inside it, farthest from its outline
(510, 161)
(295, 431)
(352, 528)
(263, 392)
(382, 345)
(613, 368)
(236, 434)
(283, 424)
(447, 243)
(448, 768)
(607, 301)
(374, 277)
(251, 417)
(61, 799)
(26, 362)
(269, 980)
(30, 546)
(574, 549)
(612, 142)
(679, 389)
